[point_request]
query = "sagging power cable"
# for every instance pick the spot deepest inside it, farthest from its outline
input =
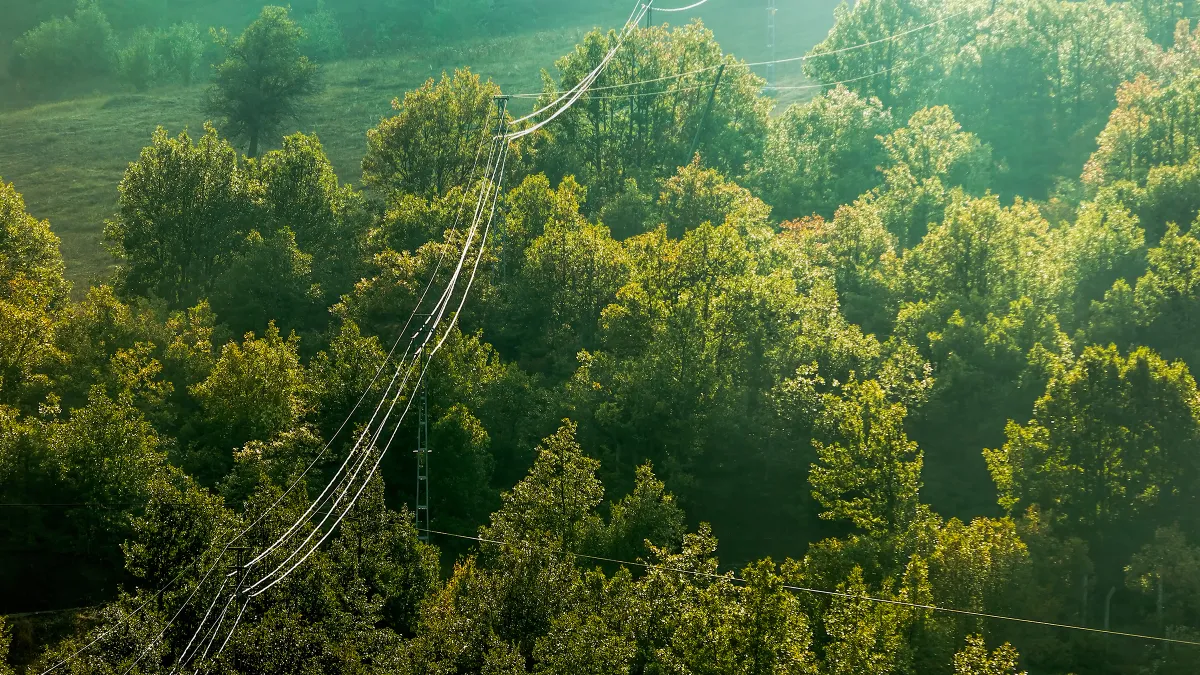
(731, 577)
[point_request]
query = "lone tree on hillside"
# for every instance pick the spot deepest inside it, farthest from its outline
(261, 82)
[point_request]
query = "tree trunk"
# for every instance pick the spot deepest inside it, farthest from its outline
(253, 152)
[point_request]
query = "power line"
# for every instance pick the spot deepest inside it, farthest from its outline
(578, 90)
(903, 66)
(730, 576)
(275, 504)
(679, 90)
(595, 72)
(753, 64)
(491, 186)
(680, 9)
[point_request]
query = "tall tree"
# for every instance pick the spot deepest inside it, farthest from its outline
(182, 208)
(32, 292)
(868, 473)
(558, 498)
(264, 78)
(621, 132)
(1114, 442)
(431, 144)
(822, 154)
(28, 250)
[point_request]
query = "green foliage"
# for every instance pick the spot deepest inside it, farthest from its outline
(981, 257)
(630, 212)
(635, 287)
(267, 239)
(97, 464)
(1126, 454)
(301, 192)
(263, 80)
(465, 457)
(984, 564)
(322, 39)
(1104, 244)
(864, 637)
(5, 643)
(1166, 295)
(869, 473)
(606, 141)
(344, 372)
(1134, 140)
(974, 659)
(150, 58)
(530, 209)
(557, 500)
(1039, 85)
(256, 389)
(755, 628)
(1033, 78)
(28, 250)
(584, 645)
(1161, 18)
(138, 60)
(645, 518)
(695, 195)
(933, 145)
(410, 221)
(182, 207)
(71, 49)
(822, 154)
(574, 271)
(430, 145)
(32, 290)
(1168, 562)
(267, 280)
(180, 51)
(866, 22)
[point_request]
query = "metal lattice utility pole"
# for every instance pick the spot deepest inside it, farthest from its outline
(771, 43)
(501, 111)
(422, 453)
(240, 569)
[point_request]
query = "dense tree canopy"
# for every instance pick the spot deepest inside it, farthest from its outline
(923, 340)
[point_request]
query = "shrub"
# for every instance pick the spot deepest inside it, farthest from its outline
(67, 48)
(323, 40)
(180, 50)
(138, 62)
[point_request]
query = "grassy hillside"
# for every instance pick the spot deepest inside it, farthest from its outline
(68, 157)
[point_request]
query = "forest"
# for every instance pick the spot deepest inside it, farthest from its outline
(674, 363)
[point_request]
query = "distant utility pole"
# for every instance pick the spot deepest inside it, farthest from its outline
(649, 17)
(771, 43)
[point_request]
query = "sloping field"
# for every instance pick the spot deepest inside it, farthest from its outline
(67, 157)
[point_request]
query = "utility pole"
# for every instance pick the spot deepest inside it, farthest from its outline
(501, 111)
(649, 16)
(240, 569)
(422, 452)
(423, 463)
(1158, 606)
(771, 43)
(1108, 605)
